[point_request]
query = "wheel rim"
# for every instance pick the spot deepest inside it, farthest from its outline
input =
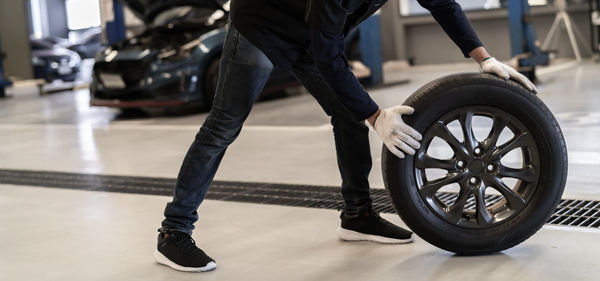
(474, 192)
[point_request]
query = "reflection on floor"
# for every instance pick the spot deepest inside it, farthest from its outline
(58, 234)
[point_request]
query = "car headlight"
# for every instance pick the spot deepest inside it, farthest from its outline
(36, 61)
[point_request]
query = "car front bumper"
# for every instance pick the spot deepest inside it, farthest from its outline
(149, 89)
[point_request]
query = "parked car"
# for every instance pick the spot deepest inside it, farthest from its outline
(88, 44)
(51, 62)
(174, 61)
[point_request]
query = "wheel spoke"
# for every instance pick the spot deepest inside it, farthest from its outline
(483, 215)
(440, 130)
(500, 122)
(523, 139)
(515, 201)
(466, 123)
(527, 174)
(424, 161)
(455, 211)
(429, 189)
(477, 165)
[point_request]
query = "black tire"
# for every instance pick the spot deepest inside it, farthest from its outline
(463, 232)
(132, 113)
(209, 82)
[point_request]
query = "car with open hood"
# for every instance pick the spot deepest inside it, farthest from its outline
(174, 61)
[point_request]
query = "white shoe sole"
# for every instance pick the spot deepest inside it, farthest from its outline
(349, 235)
(160, 258)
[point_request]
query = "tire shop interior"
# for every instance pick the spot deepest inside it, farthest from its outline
(101, 99)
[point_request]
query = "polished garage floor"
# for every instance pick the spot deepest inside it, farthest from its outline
(62, 234)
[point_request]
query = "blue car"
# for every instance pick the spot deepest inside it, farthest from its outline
(50, 61)
(175, 61)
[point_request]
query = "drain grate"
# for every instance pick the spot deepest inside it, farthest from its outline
(569, 212)
(449, 198)
(577, 213)
(325, 197)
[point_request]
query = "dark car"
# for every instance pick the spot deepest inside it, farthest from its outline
(51, 62)
(174, 61)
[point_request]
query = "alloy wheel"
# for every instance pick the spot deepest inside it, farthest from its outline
(477, 189)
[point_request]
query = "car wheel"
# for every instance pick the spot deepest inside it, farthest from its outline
(491, 168)
(211, 77)
(48, 78)
(69, 78)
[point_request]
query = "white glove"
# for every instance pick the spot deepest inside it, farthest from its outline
(395, 134)
(493, 66)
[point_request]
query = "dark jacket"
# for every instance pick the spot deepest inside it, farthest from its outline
(285, 30)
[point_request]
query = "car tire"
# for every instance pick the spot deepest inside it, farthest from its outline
(69, 78)
(211, 77)
(132, 113)
(477, 228)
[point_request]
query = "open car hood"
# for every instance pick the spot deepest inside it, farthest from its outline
(148, 10)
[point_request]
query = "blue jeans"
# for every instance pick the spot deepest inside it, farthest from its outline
(243, 73)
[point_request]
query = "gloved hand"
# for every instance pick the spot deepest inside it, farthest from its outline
(491, 65)
(395, 134)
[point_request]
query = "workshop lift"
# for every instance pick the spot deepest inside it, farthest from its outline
(3, 81)
(522, 39)
(115, 28)
(595, 25)
(371, 48)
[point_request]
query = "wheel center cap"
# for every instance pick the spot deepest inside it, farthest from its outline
(476, 166)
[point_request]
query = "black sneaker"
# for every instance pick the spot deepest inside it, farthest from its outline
(369, 226)
(179, 252)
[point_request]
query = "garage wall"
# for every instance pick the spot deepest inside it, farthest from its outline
(422, 41)
(15, 38)
(57, 13)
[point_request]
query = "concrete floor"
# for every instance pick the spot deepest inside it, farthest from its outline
(55, 234)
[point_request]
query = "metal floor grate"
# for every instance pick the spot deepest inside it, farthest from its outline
(325, 197)
(449, 198)
(569, 212)
(577, 213)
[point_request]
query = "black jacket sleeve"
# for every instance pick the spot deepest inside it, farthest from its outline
(452, 19)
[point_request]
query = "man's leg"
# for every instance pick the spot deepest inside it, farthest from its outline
(359, 221)
(243, 72)
(351, 139)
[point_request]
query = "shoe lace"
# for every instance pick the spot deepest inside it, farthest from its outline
(188, 244)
